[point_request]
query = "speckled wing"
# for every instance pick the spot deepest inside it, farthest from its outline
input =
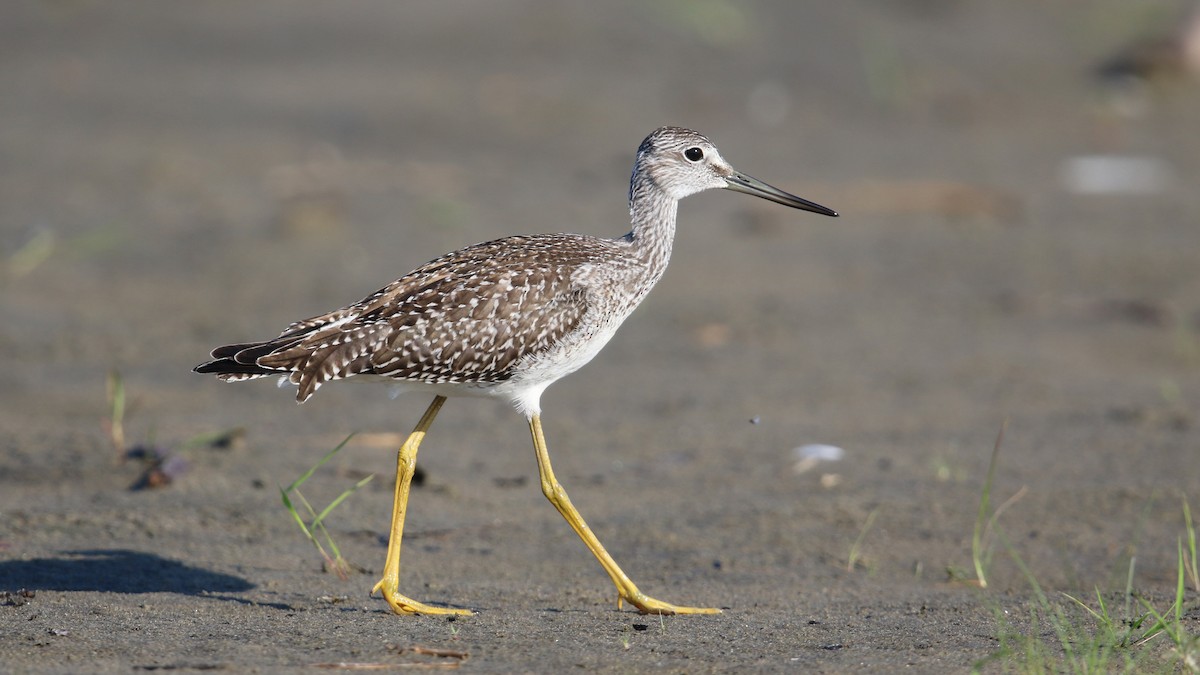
(469, 317)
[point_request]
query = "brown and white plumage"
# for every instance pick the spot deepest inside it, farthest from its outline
(504, 318)
(468, 318)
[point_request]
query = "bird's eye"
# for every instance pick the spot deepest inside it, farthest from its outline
(694, 154)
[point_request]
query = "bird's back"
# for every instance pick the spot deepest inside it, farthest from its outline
(475, 318)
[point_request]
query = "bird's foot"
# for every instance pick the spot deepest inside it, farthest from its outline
(648, 605)
(402, 604)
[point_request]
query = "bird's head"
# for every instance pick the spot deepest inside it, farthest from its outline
(682, 162)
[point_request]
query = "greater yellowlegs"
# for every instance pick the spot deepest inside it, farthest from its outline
(504, 318)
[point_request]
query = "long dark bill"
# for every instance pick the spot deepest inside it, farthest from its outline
(740, 182)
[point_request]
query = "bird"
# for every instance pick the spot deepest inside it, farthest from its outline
(506, 319)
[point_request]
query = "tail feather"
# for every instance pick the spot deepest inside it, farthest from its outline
(237, 362)
(227, 366)
(251, 353)
(308, 355)
(243, 358)
(227, 351)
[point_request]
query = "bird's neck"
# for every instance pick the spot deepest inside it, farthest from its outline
(652, 214)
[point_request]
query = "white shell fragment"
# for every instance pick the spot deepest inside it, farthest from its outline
(809, 456)
(1115, 175)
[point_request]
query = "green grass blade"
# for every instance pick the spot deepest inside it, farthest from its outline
(115, 388)
(1193, 567)
(316, 530)
(328, 456)
(1101, 618)
(340, 498)
(977, 553)
(856, 548)
(292, 509)
(116, 397)
(1179, 589)
(1103, 607)
(213, 438)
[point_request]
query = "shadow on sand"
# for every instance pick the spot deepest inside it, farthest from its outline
(115, 571)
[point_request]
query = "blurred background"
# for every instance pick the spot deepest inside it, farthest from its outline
(175, 175)
(1017, 183)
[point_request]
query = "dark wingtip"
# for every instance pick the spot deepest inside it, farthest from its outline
(227, 351)
(228, 366)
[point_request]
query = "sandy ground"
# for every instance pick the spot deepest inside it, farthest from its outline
(174, 176)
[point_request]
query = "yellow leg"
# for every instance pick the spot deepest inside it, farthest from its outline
(626, 589)
(406, 464)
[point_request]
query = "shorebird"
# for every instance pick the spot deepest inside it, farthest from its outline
(505, 318)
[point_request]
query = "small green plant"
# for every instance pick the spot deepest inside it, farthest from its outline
(945, 471)
(162, 464)
(1123, 631)
(1189, 553)
(856, 547)
(1056, 640)
(980, 556)
(334, 562)
(981, 548)
(115, 424)
(32, 253)
(224, 439)
(1170, 623)
(1106, 643)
